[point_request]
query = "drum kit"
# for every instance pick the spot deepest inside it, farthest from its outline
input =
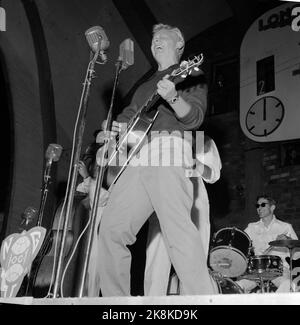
(232, 256)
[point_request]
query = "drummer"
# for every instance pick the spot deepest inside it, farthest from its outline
(267, 229)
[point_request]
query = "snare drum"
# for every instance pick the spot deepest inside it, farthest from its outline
(230, 250)
(267, 266)
(224, 285)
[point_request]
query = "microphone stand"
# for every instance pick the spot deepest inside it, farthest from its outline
(70, 199)
(99, 181)
(45, 190)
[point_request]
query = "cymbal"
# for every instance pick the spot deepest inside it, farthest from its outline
(289, 243)
(257, 276)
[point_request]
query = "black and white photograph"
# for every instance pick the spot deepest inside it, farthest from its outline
(150, 155)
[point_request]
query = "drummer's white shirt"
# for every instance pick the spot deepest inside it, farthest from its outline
(261, 235)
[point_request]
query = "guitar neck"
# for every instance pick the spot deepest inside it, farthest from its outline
(151, 101)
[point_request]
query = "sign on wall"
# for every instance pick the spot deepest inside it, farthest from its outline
(270, 76)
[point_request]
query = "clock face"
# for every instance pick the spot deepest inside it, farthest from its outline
(264, 116)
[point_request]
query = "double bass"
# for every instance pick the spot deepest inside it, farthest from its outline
(41, 279)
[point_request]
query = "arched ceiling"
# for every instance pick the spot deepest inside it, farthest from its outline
(191, 16)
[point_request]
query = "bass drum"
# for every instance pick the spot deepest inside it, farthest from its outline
(229, 252)
(225, 285)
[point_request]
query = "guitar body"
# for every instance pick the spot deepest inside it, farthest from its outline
(128, 146)
(45, 267)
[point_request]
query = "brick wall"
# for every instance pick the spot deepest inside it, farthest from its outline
(283, 183)
(229, 197)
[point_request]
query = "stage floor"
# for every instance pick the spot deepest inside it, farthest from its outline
(221, 299)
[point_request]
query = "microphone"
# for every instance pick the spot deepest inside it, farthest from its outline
(53, 153)
(28, 215)
(97, 40)
(126, 53)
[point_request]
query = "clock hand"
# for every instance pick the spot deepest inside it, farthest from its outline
(264, 110)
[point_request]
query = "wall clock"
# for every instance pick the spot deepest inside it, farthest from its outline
(264, 116)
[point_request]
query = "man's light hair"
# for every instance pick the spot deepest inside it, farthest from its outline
(158, 27)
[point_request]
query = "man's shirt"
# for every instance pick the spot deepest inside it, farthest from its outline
(167, 120)
(262, 235)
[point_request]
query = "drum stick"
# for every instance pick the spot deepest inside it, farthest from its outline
(268, 250)
(271, 247)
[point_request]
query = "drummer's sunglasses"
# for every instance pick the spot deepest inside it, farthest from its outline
(261, 205)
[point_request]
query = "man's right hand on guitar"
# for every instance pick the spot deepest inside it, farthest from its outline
(115, 130)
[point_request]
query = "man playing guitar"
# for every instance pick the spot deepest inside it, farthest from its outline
(163, 188)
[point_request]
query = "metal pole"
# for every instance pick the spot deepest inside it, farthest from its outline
(58, 271)
(99, 182)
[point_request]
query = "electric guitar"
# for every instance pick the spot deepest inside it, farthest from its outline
(129, 143)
